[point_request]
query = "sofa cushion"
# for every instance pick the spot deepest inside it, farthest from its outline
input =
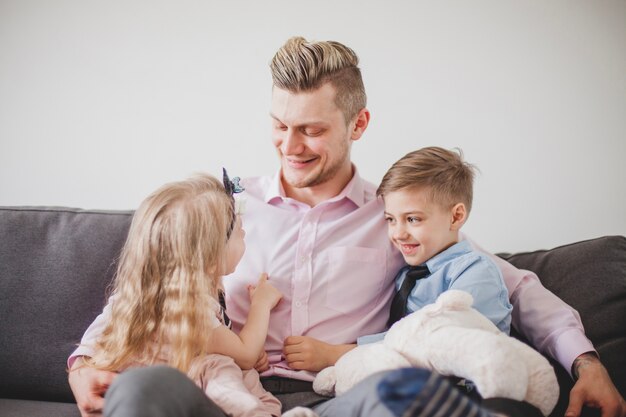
(591, 277)
(26, 408)
(56, 264)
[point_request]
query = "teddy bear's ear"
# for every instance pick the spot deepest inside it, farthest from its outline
(455, 300)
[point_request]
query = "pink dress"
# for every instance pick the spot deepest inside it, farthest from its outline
(238, 393)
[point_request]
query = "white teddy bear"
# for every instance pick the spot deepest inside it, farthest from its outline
(451, 338)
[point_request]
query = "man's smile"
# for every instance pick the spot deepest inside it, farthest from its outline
(300, 163)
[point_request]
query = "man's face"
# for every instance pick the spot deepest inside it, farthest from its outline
(417, 226)
(311, 137)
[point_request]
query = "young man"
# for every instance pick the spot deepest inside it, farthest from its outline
(318, 230)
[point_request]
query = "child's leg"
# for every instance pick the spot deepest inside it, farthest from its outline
(223, 382)
(360, 401)
(157, 391)
(406, 392)
(415, 392)
(300, 412)
(269, 404)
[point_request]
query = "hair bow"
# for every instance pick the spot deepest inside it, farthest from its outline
(231, 186)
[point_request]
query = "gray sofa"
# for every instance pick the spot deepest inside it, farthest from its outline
(55, 265)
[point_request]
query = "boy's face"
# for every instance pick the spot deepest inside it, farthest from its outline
(417, 226)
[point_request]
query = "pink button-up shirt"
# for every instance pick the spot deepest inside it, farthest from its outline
(332, 262)
(335, 267)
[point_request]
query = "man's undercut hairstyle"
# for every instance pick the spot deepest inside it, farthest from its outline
(300, 66)
(448, 177)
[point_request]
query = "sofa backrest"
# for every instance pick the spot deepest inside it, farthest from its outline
(55, 265)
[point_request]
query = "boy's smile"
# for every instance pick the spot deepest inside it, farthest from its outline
(408, 250)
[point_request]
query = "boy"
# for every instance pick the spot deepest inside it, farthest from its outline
(428, 197)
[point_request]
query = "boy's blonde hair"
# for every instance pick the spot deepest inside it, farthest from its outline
(168, 277)
(300, 65)
(449, 178)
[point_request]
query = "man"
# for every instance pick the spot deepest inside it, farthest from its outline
(318, 230)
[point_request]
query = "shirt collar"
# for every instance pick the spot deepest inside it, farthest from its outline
(353, 191)
(458, 249)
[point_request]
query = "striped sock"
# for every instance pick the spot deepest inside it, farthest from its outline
(415, 392)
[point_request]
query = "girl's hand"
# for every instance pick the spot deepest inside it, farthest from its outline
(264, 293)
(89, 386)
(263, 363)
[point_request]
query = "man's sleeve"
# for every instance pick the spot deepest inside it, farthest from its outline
(553, 327)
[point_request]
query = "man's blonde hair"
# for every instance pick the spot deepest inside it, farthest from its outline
(448, 177)
(300, 65)
(168, 277)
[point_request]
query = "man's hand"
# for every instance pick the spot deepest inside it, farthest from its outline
(263, 363)
(308, 354)
(594, 388)
(89, 386)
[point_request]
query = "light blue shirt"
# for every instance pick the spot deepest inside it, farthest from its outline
(459, 268)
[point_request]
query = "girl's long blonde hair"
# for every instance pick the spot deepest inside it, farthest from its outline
(168, 277)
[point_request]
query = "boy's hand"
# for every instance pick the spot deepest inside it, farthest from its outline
(264, 293)
(309, 354)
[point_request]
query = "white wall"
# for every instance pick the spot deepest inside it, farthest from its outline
(103, 101)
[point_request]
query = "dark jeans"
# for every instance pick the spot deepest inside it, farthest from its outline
(161, 391)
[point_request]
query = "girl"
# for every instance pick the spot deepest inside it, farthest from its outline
(167, 303)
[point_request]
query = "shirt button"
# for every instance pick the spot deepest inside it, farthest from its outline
(298, 304)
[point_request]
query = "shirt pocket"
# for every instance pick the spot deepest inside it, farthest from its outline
(357, 275)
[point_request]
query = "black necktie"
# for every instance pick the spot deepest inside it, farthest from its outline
(398, 304)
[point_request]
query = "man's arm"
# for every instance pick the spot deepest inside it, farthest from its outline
(89, 384)
(552, 327)
(95, 329)
(555, 329)
(594, 388)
